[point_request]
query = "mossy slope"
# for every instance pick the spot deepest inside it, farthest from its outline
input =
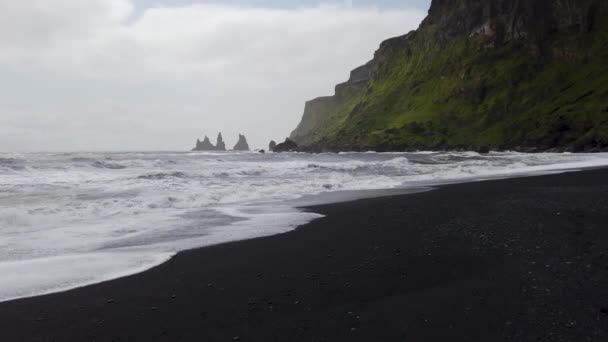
(484, 85)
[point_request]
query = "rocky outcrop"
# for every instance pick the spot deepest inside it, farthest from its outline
(206, 144)
(220, 144)
(242, 144)
(287, 146)
(508, 20)
(272, 145)
(498, 74)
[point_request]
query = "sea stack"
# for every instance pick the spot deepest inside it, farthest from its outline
(241, 145)
(220, 144)
(272, 145)
(204, 145)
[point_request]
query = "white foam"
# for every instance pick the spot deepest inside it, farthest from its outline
(26, 278)
(72, 219)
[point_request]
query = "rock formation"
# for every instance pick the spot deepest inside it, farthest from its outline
(220, 144)
(205, 145)
(272, 145)
(494, 74)
(241, 145)
(287, 146)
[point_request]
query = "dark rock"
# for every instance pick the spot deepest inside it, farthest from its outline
(204, 145)
(287, 146)
(505, 20)
(273, 144)
(483, 150)
(241, 145)
(220, 145)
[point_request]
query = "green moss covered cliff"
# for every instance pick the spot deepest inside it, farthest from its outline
(528, 75)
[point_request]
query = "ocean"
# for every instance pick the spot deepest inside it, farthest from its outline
(73, 219)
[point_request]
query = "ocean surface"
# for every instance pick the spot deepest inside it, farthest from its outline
(73, 219)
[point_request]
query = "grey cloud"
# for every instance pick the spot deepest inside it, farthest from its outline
(85, 77)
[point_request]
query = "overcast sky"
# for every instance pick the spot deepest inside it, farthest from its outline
(157, 74)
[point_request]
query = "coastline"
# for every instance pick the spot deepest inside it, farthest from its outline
(476, 261)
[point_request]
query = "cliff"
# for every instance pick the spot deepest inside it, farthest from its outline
(503, 74)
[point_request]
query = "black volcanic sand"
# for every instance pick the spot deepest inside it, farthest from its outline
(510, 260)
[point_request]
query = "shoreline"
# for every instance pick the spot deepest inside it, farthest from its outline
(360, 267)
(302, 205)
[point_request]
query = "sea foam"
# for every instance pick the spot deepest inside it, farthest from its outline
(74, 219)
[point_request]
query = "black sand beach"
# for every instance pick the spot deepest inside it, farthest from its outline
(508, 260)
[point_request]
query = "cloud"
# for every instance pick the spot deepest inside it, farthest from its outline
(217, 66)
(38, 30)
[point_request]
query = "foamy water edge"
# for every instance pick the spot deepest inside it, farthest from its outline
(271, 218)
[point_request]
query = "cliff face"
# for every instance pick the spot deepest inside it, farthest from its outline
(504, 74)
(509, 20)
(321, 112)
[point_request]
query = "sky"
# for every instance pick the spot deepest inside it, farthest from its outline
(108, 75)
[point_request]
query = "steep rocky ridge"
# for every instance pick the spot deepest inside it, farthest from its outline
(504, 74)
